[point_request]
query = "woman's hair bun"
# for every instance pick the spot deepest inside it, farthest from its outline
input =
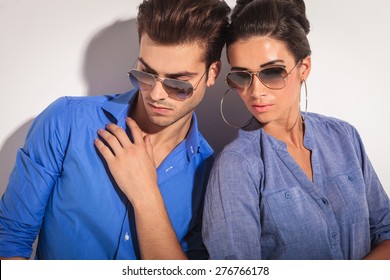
(284, 20)
(300, 13)
(295, 9)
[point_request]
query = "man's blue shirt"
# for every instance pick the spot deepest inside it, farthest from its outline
(261, 205)
(61, 188)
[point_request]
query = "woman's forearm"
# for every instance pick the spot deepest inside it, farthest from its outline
(380, 252)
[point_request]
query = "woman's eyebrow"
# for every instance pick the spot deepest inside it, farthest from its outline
(238, 68)
(271, 62)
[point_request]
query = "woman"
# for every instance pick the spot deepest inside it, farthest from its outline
(292, 185)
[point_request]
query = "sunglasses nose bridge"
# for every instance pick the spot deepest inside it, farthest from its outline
(259, 87)
(252, 75)
(257, 75)
(158, 93)
(158, 79)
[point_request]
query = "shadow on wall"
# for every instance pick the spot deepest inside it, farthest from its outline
(109, 56)
(8, 153)
(211, 124)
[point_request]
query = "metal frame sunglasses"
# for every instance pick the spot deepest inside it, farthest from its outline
(272, 77)
(176, 89)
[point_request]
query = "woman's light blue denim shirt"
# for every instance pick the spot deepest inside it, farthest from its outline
(261, 205)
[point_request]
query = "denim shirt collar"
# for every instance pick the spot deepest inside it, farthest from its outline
(308, 139)
(278, 144)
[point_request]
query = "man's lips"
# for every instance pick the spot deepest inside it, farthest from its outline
(159, 109)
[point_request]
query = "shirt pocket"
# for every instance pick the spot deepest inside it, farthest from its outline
(295, 216)
(352, 189)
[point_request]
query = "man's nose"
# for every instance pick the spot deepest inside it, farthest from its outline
(158, 92)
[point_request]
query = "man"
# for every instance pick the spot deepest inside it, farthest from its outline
(112, 198)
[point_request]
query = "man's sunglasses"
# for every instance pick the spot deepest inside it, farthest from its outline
(271, 77)
(176, 89)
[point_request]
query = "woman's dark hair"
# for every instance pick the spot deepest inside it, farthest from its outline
(173, 22)
(284, 20)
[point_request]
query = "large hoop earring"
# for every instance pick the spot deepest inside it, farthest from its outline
(304, 114)
(223, 116)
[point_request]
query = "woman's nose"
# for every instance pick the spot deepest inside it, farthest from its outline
(257, 88)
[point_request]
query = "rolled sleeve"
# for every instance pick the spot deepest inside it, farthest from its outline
(36, 170)
(378, 205)
(377, 199)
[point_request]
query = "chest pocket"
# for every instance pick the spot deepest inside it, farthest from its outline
(294, 215)
(352, 189)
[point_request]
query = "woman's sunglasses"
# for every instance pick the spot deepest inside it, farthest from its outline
(175, 89)
(271, 77)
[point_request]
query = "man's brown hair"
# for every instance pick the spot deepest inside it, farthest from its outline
(175, 22)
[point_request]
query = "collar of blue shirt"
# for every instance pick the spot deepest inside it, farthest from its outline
(118, 105)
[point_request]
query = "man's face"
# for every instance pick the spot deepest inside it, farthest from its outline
(181, 62)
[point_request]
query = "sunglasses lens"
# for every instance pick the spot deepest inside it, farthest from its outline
(175, 88)
(178, 89)
(273, 77)
(141, 80)
(238, 80)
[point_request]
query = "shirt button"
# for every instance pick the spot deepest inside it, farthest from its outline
(334, 235)
(169, 168)
(351, 178)
(288, 195)
(127, 237)
(325, 201)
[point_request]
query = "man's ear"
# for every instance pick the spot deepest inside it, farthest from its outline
(305, 68)
(214, 70)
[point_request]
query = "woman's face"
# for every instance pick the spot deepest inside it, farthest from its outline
(269, 105)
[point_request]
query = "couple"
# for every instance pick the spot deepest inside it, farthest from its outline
(124, 176)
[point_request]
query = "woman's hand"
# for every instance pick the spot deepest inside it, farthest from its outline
(131, 164)
(133, 168)
(380, 251)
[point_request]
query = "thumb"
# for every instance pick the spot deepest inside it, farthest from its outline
(149, 147)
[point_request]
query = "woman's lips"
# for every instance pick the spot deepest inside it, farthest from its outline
(261, 108)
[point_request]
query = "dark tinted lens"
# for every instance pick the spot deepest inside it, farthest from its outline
(273, 77)
(177, 88)
(238, 80)
(141, 80)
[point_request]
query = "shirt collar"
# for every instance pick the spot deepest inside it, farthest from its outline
(118, 106)
(192, 144)
(280, 145)
(309, 137)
